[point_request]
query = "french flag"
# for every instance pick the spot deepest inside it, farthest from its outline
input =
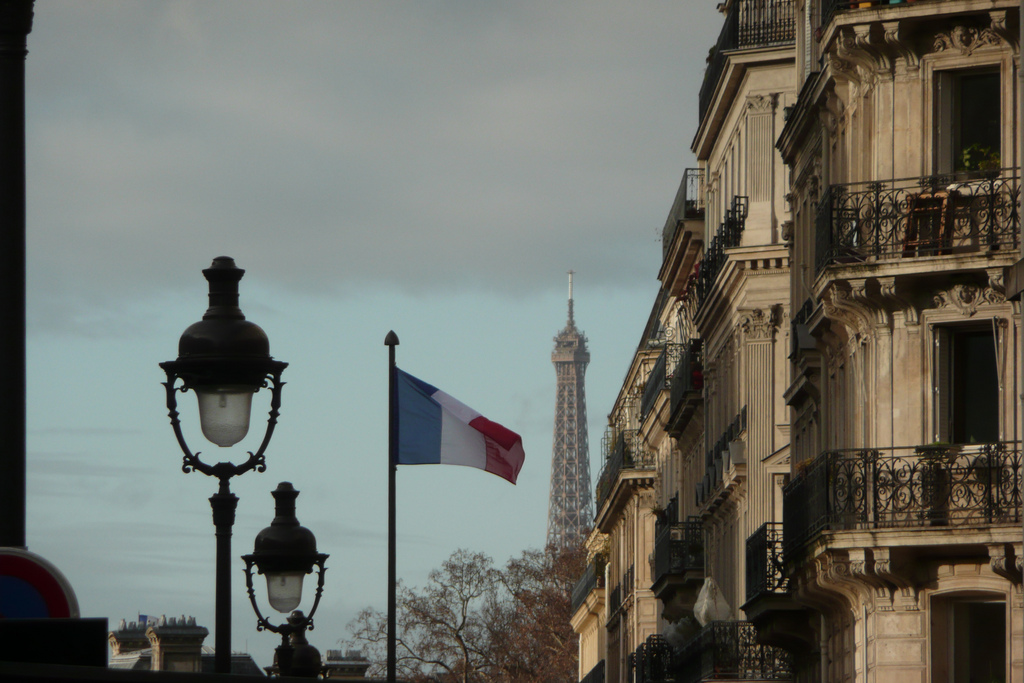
(436, 429)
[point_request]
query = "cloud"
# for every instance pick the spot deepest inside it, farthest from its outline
(348, 145)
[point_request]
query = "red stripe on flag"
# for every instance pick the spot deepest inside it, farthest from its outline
(503, 436)
(497, 463)
(504, 448)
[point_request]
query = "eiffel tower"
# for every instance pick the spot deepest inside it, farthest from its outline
(570, 513)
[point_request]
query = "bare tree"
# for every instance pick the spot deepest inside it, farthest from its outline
(472, 623)
(532, 640)
(440, 633)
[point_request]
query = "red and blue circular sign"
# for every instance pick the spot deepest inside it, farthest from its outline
(32, 588)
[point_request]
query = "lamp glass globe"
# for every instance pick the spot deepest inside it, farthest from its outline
(224, 413)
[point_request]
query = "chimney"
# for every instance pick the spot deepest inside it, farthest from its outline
(177, 644)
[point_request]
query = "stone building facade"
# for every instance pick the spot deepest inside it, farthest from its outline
(824, 477)
(169, 644)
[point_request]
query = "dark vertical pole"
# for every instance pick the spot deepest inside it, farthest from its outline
(223, 503)
(391, 341)
(15, 24)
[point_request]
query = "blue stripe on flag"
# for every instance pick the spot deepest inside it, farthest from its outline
(419, 421)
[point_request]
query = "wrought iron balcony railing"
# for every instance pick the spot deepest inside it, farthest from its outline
(624, 450)
(910, 217)
(592, 578)
(722, 650)
(714, 258)
(765, 575)
(717, 460)
(685, 386)
(750, 24)
(728, 650)
(688, 375)
(595, 675)
(800, 338)
(678, 548)
(651, 662)
(927, 486)
(693, 206)
(614, 603)
(659, 378)
(670, 515)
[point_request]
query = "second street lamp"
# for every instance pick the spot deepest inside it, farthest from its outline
(224, 359)
(285, 552)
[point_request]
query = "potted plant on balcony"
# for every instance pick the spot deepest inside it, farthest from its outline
(935, 459)
(978, 161)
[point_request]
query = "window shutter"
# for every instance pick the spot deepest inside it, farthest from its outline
(942, 380)
(943, 119)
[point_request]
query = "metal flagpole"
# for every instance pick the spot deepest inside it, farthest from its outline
(391, 341)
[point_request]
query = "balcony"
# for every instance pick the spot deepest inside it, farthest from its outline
(692, 191)
(614, 605)
(678, 549)
(624, 451)
(592, 579)
(678, 564)
(728, 650)
(725, 463)
(750, 24)
(780, 620)
(903, 488)
(620, 595)
(714, 259)
(686, 386)
(830, 7)
(895, 220)
(651, 662)
(765, 575)
(659, 378)
(722, 650)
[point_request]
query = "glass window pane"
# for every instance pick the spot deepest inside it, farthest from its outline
(977, 123)
(975, 388)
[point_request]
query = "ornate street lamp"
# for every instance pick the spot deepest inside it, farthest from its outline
(224, 359)
(285, 552)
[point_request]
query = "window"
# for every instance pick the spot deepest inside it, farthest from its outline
(968, 121)
(966, 385)
(968, 640)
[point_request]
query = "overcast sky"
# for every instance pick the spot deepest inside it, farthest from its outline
(434, 168)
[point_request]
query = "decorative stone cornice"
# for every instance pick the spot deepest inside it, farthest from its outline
(966, 39)
(762, 104)
(862, 568)
(906, 596)
(1004, 563)
(998, 26)
(996, 279)
(841, 67)
(966, 298)
(841, 307)
(897, 42)
(786, 231)
(759, 324)
(833, 110)
(898, 303)
(833, 574)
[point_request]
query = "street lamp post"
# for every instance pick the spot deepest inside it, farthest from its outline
(284, 553)
(224, 359)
